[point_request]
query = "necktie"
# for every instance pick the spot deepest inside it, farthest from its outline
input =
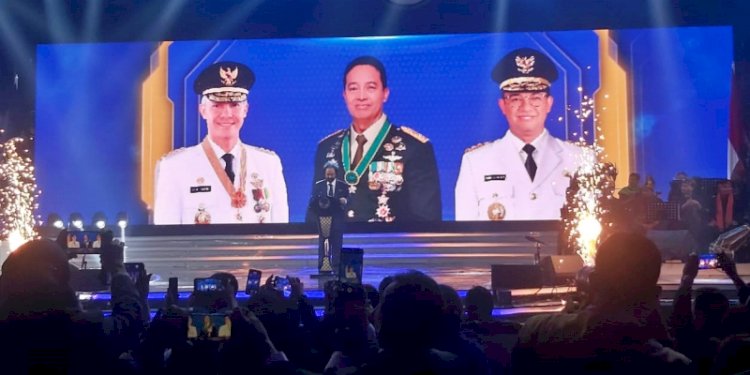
(330, 189)
(361, 140)
(530, 164)
(228, 167)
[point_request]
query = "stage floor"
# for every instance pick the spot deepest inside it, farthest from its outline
(461, 260)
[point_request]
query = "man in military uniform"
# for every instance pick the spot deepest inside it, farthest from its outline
(221, 180)
(390, 170)
(524, 174)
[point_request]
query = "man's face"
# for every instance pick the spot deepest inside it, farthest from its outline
(526, 112)
(364, 94)
(330, 174)
(224, 119)
(633, 180)
(686, 188)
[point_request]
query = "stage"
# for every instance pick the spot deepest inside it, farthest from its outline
(459, 259)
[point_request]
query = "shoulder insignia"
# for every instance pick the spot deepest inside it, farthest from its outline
(264, 150)
(174, 152)
(414, 134)
(337, 132)
(476, 146)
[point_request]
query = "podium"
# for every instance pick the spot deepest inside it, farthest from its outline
(330, 223)
(325, 256)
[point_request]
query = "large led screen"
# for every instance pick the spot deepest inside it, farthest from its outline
(107, 113)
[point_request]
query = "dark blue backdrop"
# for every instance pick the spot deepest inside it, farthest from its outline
(88, 103)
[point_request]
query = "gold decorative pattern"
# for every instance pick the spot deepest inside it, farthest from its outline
(156, 122)
(524, 84)
(337, 132)
(264, 150)
(476, 146)
(417, 135)
(229, 76)
(525, 64)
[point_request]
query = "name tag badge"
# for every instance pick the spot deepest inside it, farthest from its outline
(200, 189)
(494, 177)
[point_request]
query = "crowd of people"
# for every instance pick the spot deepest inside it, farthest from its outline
(409, 324)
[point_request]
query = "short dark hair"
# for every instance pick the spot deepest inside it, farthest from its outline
(410, 310)
(622, 254)
(371, 61)
(479, 302)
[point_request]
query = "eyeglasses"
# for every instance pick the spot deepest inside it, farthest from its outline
(515, 101)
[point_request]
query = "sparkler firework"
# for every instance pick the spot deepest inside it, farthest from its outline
(18, 194)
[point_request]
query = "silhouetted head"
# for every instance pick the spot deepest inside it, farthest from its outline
(409, 313)
(35, 279)
(627, 269)
(479, 304)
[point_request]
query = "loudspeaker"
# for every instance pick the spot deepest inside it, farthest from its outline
(560, 269)
(516, 276)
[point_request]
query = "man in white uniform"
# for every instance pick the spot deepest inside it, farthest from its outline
(524, 174)
(221, 180)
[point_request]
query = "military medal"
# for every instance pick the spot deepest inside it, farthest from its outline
(202, 217)
(354, 172)
(239, 199)
(496, 211)
(351, 177)
(260, 195)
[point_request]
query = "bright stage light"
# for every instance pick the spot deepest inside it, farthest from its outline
(76, 220)
(100, 221)
(122, 220)
(55, 221)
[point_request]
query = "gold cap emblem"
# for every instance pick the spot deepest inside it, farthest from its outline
(525, 64)
(228, 76)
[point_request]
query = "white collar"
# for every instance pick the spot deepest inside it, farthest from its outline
(235, 151)
(518, 143)
(370, 133)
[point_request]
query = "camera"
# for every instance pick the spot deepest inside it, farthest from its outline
(210, 295)
(134, 270)
(281, 284)
(253, 282)
(208, 286)
(84, 241)
(210, 326)
(709, 261)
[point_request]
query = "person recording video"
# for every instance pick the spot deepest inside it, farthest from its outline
(329, 201)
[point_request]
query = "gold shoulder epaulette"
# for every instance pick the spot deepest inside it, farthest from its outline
(337, 132)
(264, 150)
(414, 134)
(476, 146)
(174, 152)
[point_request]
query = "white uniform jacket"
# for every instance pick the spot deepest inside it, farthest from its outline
(188, 189)
(493, 178)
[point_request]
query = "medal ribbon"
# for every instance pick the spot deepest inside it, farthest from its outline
(365, 162)
(237, 196)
